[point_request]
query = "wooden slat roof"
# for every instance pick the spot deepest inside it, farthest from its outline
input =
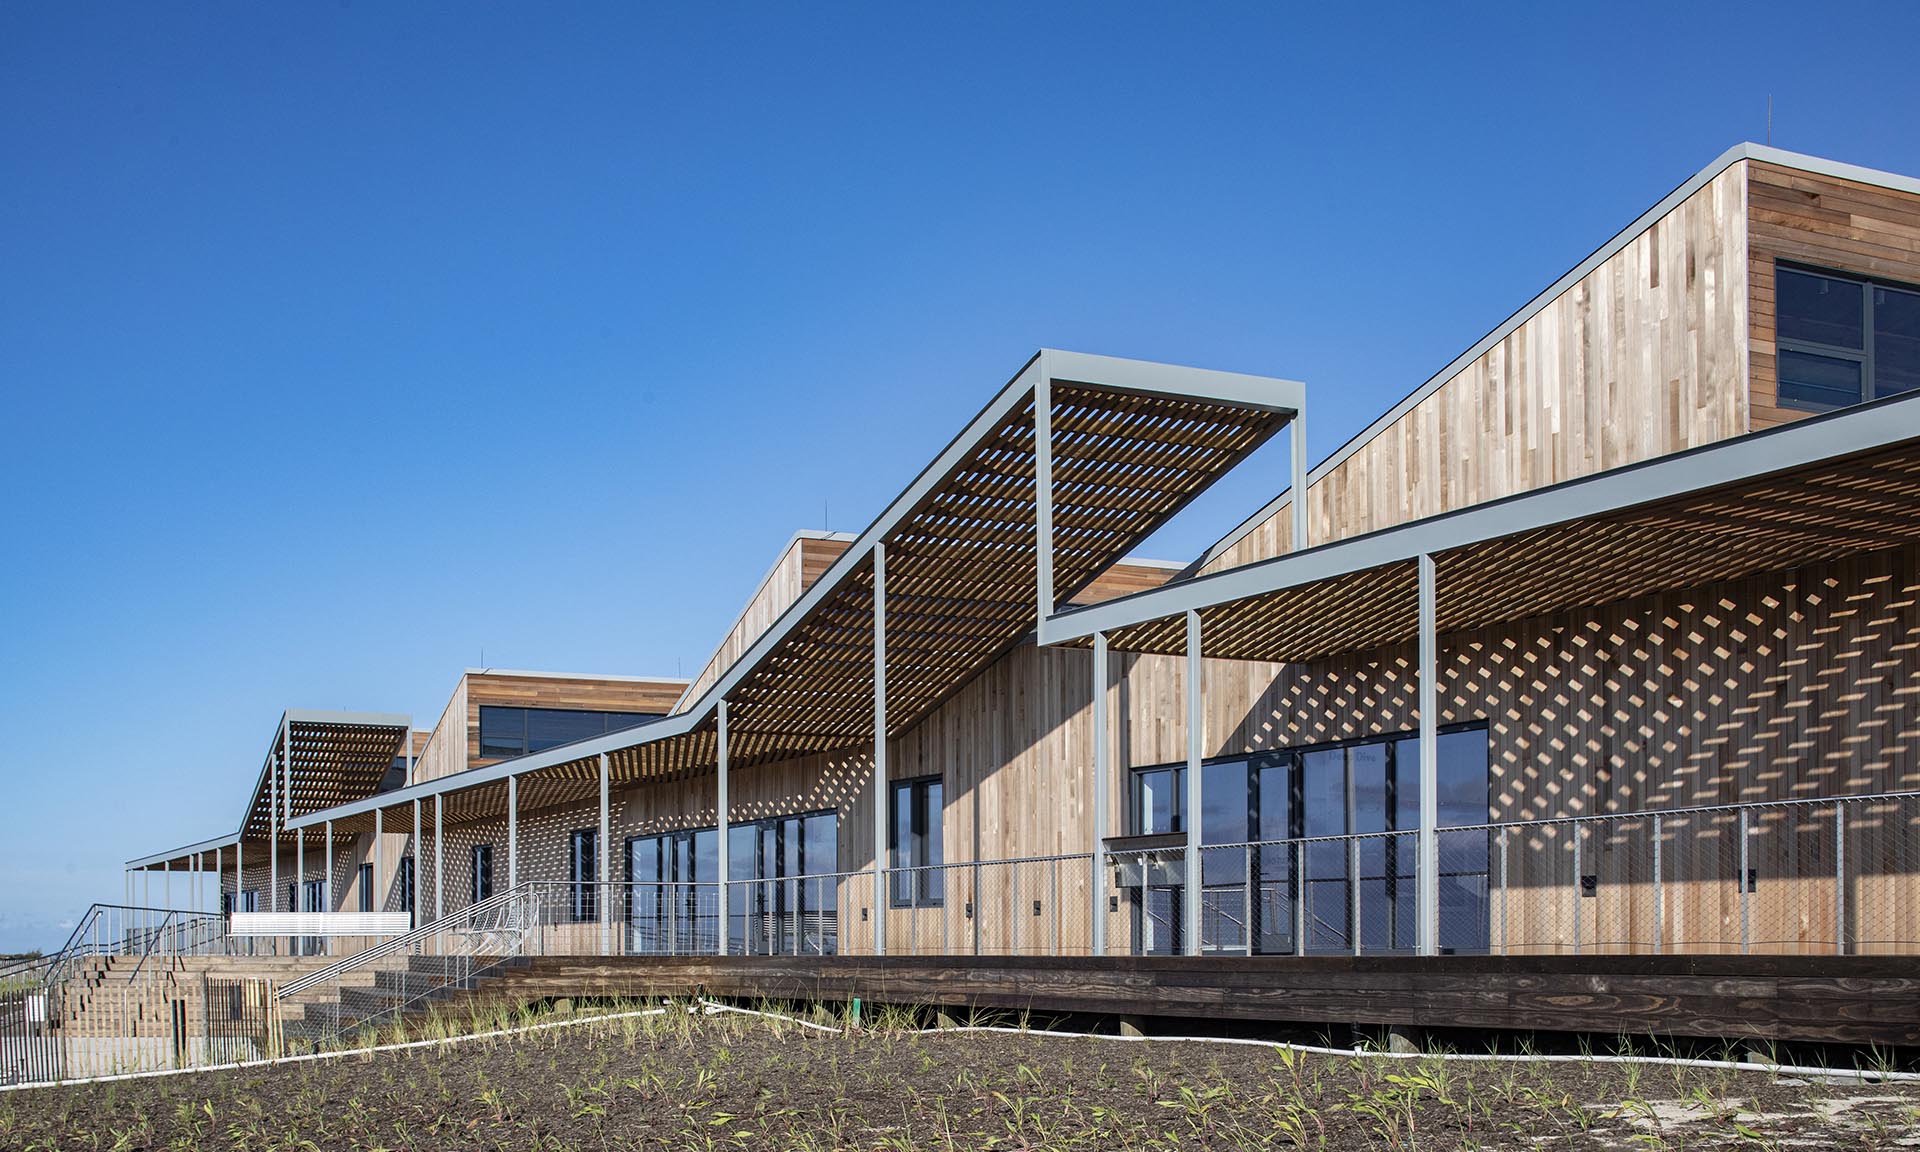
(1817, 490)
(1131, 444)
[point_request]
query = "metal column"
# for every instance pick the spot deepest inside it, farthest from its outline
(1196, 740)
(374, 901)
(439, 857)
(1299, 465)
(1100, 801)
(720, 807)
(239, 871)
(299, 869)
(219, 866)
(1043, 491)
(1427, 853)
(414, 896)
(513, 832)
(605, 863)
(326, 881)
(880, 893)
(193, 889)
(273, 834)
(166, 884)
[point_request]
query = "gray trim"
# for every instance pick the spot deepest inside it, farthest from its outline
(577, 676)
(1559, 287)
(177, 853)
(1876, 425)
(1080, 368)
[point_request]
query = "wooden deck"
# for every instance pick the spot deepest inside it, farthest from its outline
(1849, 1000)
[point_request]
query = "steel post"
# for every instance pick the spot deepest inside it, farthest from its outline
(721, 807)
(1101, 804)
(1427, 850)
(605, 863)
(1196, 748)
(513, 832)
(439, 857)
(880, 893)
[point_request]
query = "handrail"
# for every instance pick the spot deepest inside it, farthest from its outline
(389, 947)
(152, 939)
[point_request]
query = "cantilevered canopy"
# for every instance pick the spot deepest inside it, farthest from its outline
(1820, 489)
(1128, 445)
(316, 760)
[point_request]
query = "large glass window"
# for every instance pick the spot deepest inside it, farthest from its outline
(1328, 834)
(1841, 339)
(583, 872)
(790, 901)
(506, 732)
(914, 842)
(671, 903)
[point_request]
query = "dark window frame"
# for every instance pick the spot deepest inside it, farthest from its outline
(480, 871)
(407, 879)
(925, 889)
(583, 875)
(366, 887)
(1863, 355)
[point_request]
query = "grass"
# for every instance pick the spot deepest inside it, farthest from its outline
(679, 1079)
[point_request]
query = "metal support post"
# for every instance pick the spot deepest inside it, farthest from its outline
(1100, 801)
(326, 881)
(605, 862)
(166, 884)
(513, 832)
(1043, 491)
(723, 942)
(219, 877)
(414, 840)
(273, 835)
(375, 899)
(239, 872)
(1196, 745)
(1505, 895)
(1299, 464)
(439, 857)
(1427, 851)
(299, 869)
(1246, 897)
(880, 893)
(1579, 885)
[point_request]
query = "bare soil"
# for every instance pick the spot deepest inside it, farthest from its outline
(679, 1081)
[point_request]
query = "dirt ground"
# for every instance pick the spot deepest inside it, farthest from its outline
(679, 1081)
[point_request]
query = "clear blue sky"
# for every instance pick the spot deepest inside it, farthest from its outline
(340, 344)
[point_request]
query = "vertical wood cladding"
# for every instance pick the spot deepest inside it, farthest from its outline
(805, 561)
(1642, 357)
(1790, 685)
(1805, 218)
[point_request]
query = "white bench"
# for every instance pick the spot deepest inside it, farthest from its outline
(319, 923)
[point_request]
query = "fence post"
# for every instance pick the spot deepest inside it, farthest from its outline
(1053, 899)
(1840, 878)
(1246, 898)
(1353, 871)
(1746, 871)
(1659, 893)
(1579, 886)
(1505, 891)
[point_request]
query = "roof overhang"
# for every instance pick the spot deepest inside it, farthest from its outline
(1128, 445)
(1829, 486)
(335, 757)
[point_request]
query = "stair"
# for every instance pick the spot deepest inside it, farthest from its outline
(403, 987)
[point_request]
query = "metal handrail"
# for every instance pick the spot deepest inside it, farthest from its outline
(388, 947)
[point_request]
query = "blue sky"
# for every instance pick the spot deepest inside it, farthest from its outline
(342, 345)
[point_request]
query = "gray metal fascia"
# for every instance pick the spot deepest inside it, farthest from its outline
(188, 850)
(1873, 426)
(1534, 306)
(1115, 374)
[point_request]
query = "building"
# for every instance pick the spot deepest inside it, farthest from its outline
(1602, 643)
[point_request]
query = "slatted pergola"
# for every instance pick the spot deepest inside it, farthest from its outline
(1073, 464)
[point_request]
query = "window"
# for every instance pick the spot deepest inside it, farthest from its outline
(1841, 340)
(366, 887)
(231, 902)
(1365, 790)
(914, 841)
(583, 854)
(482, 872)
(508, 732)
(406, 883)
(790, 905)
(395, 777)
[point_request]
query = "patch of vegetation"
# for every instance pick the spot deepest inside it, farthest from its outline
(681, 1079)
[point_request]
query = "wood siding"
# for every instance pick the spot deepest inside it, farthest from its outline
(1792, 685)
(1806, 218)
(804, 561)
(447, 748)
(1642, 357)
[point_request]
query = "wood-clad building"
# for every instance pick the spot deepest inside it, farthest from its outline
(1605, 640)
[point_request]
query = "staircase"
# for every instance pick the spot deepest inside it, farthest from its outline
(375, 995)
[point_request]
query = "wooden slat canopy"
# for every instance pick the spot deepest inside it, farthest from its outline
(1130, 444)
(1814, 511)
